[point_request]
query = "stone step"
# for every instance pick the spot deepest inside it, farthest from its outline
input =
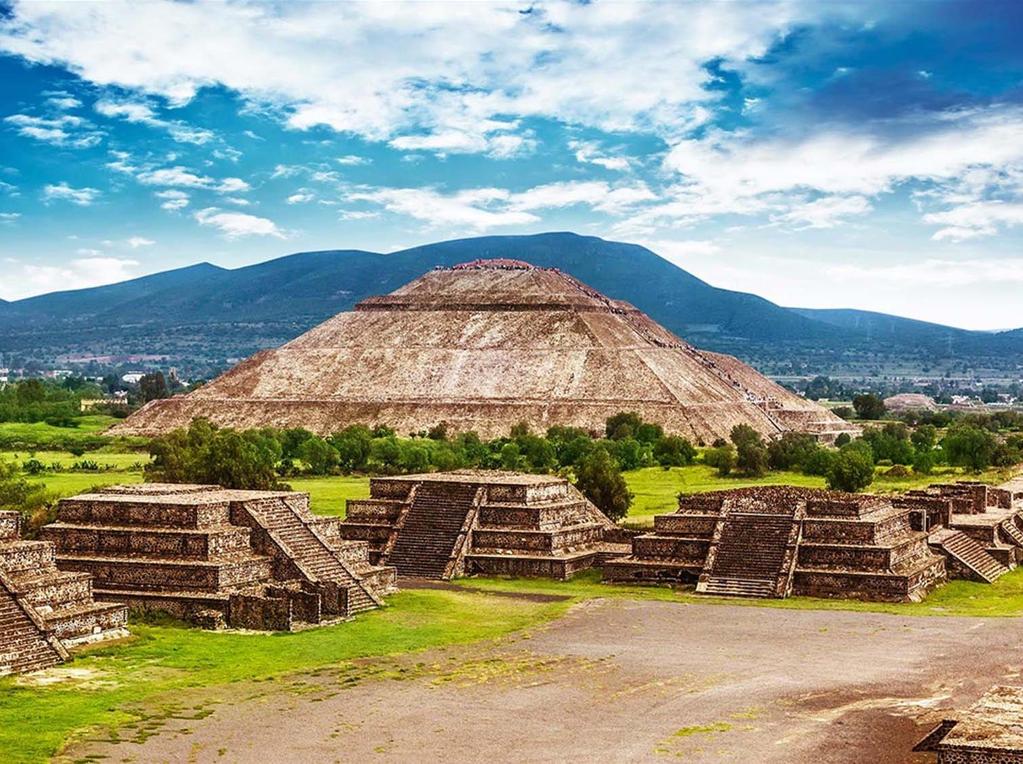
(85, 620)
(970, 553)
(54, 588)
(23, 647)
(736, 587)
(1013, 532)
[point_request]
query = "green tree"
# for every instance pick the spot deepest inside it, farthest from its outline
(791, 451)
(674, 451)
(851, 469)
(600, 481)
(354, 444)
(511, 456)
(924, 437)
(751, 458)
(721, 458)
(624, 424)
(868, 406)
(153, 386)
(19, 495)
(205, 453)
(969, 446)
(319, 455)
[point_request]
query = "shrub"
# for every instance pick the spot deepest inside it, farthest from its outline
(624, 424)
(673, 451)
(722, 458)
(819, 462)
(791, 451)
(205, 453)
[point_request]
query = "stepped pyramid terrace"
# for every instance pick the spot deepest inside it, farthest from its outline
(43, 610)
(483, 346)
(246, 559)
(442, 525)
(777, 541)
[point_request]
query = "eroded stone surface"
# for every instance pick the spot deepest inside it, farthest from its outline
(483, 347)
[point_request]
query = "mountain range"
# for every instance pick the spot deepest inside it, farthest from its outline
(205, 314)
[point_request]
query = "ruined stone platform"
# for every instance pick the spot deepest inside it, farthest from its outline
(776, 541)
(990, 732)
(441, 525)
(43, 610)
(249, 559)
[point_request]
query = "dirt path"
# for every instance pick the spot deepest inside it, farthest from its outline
(620, 680)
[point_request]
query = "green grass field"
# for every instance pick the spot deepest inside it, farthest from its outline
(39, 435)
(327, 495)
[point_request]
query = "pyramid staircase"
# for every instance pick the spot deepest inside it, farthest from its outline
(287, 524)
(1012, 532)
(753, 555)
(968, 553)
(25, 643)
(435, 529)
(61, 600)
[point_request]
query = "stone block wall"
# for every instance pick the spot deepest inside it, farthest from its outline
(10, 526)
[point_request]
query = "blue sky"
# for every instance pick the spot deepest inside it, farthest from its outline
(835, 154)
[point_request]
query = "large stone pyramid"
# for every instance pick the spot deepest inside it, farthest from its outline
(482, 346)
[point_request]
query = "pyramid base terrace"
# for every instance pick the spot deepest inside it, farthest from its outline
(468, 522)
(246, 559)
(782, 541)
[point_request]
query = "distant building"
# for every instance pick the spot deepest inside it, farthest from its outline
(132, 377)
(910, 402)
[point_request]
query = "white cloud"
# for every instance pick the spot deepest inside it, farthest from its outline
(9, 217)
(64, 130)
(63, 102)
(234, 225)
(483, 208)
(357, 215)
(233, 186)
(301, 197)
(142, 113)
(83, 197)
(173, 200)
(826, 212)
(935, 272)
(139, 241)
(589, 152)
(82, 272)
(982, 218)
(352, 159)
(182, 177)
(441, 77)
(960, 155)
(174, 176)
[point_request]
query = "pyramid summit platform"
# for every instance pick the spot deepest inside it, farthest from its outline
(483, 346)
